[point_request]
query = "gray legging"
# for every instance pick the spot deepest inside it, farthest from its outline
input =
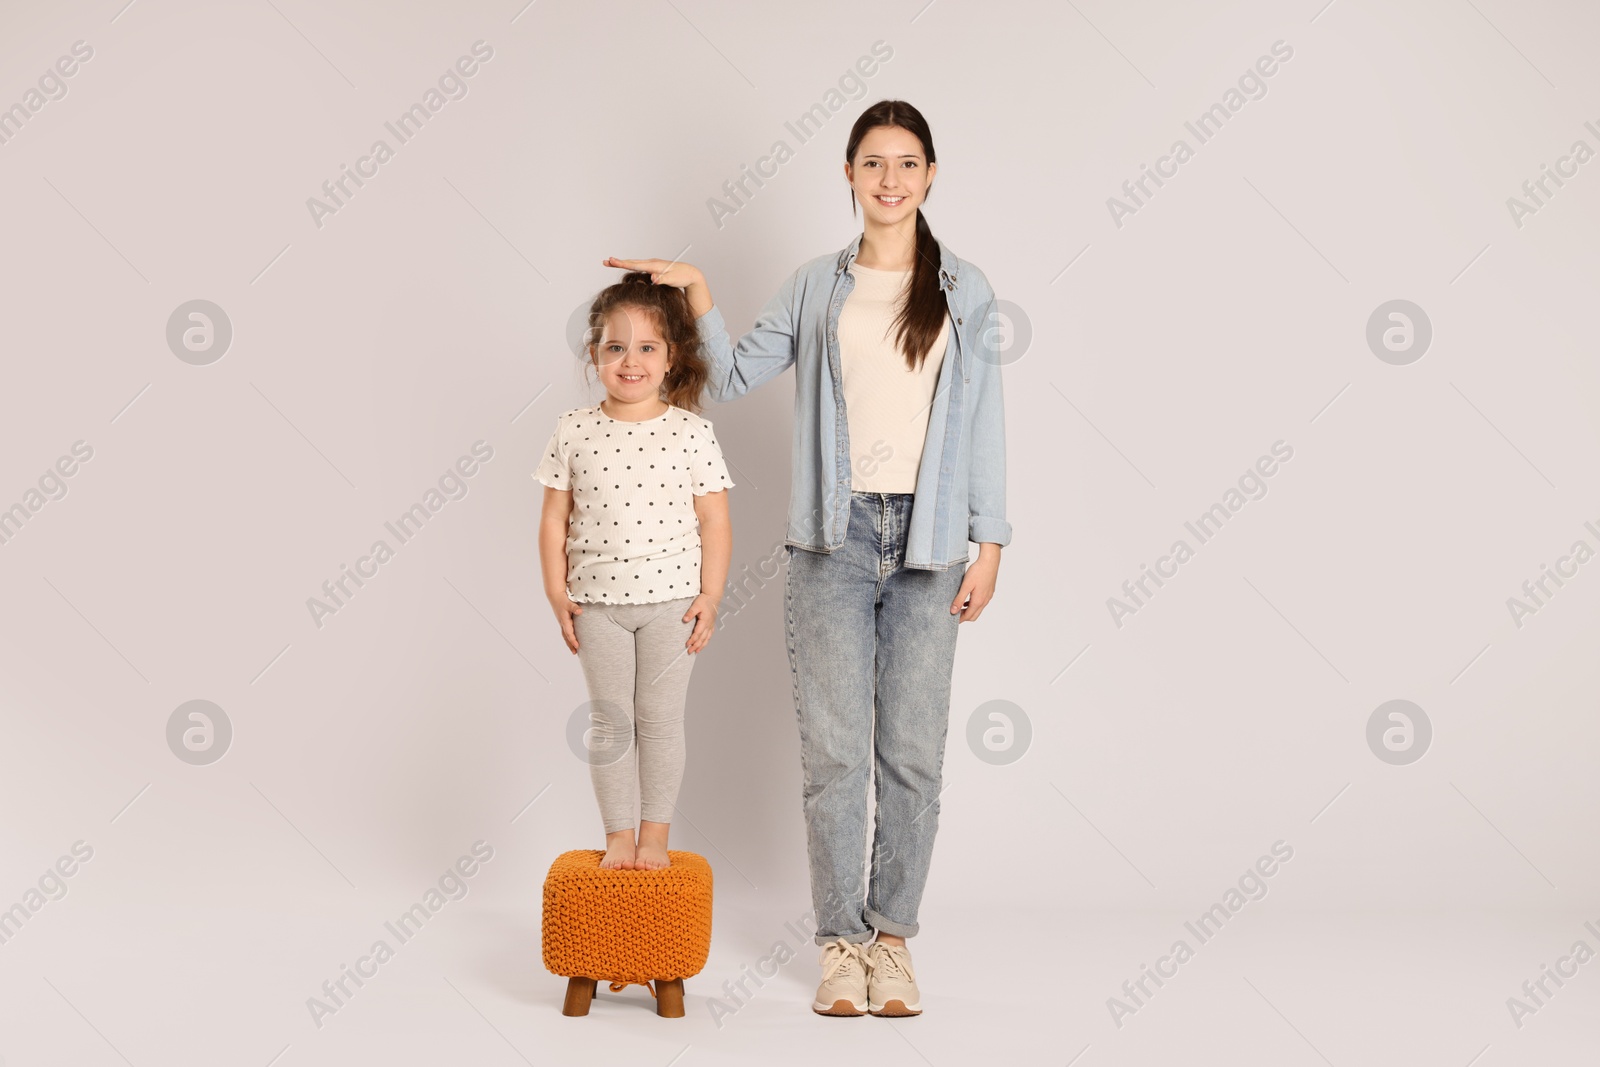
(636, 661)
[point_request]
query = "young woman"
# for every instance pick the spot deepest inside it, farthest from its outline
(899, 461)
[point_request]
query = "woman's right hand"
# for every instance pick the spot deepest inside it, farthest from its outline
(673, 272)
(566, 611)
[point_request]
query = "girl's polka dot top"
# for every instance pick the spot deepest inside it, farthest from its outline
(633, 537)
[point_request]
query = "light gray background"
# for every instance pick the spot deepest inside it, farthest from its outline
(1166, 356)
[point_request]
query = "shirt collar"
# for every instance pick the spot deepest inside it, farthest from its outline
(947, 260)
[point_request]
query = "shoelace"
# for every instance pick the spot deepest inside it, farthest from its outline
(848, 954)
(894, 961)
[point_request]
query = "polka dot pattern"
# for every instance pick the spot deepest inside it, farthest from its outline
(633, 537)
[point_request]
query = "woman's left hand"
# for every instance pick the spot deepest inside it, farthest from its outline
(977, 585)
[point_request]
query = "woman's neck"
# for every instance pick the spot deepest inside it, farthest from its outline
(888, 247)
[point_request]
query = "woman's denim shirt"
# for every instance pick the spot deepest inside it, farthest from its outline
(961, 481)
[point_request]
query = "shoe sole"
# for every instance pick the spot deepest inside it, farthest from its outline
(840, 1007)
(895, 1009)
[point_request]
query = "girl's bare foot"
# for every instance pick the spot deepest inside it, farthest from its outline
(652, 851)
(619, 851)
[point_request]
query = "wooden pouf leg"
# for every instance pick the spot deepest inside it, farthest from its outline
(669, 998)
(580, 991)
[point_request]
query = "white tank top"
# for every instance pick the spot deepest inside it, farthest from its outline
(886, 402)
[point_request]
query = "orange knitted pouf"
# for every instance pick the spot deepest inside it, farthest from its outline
(626, 927)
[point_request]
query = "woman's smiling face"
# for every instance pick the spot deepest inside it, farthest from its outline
(890, 174)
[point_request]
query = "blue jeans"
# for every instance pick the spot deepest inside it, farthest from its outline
(863, 631)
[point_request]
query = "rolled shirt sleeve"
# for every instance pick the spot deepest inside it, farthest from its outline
(986, 479)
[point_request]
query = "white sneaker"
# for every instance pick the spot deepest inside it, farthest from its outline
(892, 990)
(844, 980)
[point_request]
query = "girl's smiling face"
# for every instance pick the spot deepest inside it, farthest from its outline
(890, 174)
(630, 356)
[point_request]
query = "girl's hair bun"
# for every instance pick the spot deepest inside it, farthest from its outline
(636, 277)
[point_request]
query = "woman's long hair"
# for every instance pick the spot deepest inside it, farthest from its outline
(922, 312)
(669, 305)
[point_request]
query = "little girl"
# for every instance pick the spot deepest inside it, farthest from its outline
(635, 540)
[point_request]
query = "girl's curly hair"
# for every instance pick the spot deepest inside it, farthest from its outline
(686, 378)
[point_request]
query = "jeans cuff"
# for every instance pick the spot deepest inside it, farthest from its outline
(889, 926)
(855, 939)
